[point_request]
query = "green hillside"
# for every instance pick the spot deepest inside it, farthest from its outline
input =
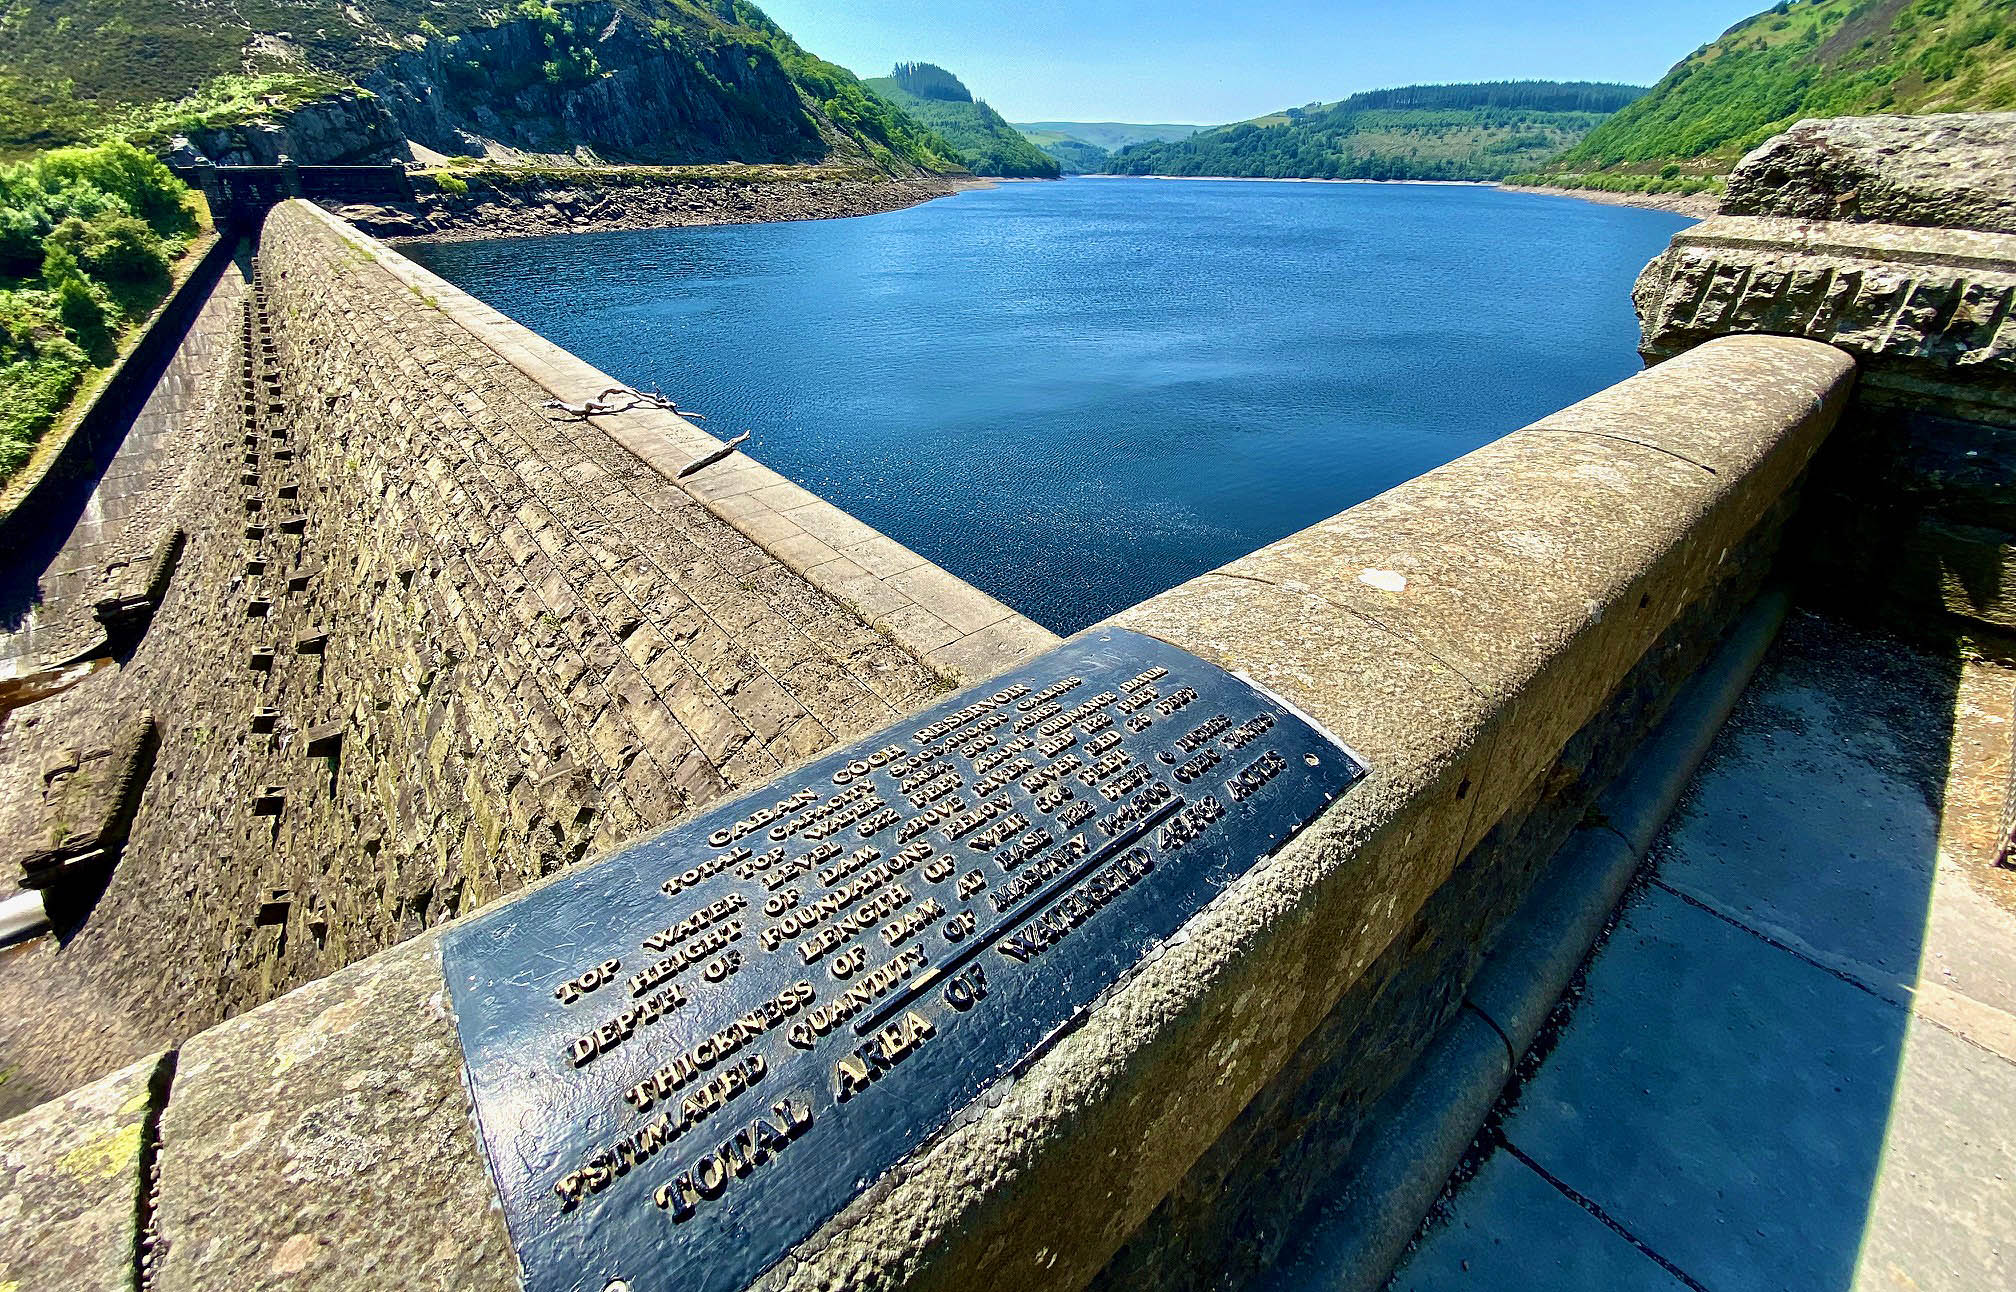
(702, 80)
(1469, 132)
(985, 144)
(1813, 58)
(1084, 147)
(1109, 135)
(1075, 155)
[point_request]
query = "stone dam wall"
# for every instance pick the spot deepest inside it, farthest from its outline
(430, 640)
(1492, 637)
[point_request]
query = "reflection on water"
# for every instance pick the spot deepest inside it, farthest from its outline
(1075, 395)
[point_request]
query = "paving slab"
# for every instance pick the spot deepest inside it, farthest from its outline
(1941, 1215)
(1512, 1231)
(1721, 1098)
(1792, 1065)
(1817, 821)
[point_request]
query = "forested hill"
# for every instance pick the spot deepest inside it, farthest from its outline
(1082, 147)
(1475, 132)
(1812, 58)
(985, 144)
(663, 81)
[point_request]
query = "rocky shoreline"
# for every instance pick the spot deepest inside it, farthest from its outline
(546, 203)
(1698, 206)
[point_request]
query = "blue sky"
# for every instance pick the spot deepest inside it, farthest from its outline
(1212, 61)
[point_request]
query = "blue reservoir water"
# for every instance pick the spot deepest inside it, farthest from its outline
(1075, 395)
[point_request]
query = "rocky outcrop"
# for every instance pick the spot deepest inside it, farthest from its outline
(343, 129)
(1949, 171)
(649, 98)
(582, 84)
(1894, 239)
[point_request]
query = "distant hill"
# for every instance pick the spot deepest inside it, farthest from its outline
(661, 81)
(1075, 155)
(984, 143)
(1082, 147)
(1475, 132)
(1110, 135)
(1815, 58)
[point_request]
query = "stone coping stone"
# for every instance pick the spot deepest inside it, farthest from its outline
(1931, 313)
(944, 621)
(1905, 244)
(72, 1181)
(324, 1140)
(1456, 643)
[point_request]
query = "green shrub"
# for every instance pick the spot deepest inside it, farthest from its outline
(87, 236)
(112, 247)
(452, 184)
(119, 170)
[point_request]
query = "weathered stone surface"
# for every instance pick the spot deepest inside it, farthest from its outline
(1946, 170)
(88, 799)
(1928, 312)
(341, 129)
(72, 1186)
(324, 1141)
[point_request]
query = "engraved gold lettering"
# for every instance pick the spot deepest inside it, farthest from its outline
(873, 986)
(687, 1066)
(881, 1052)
(707, 869)
(605, 1165)
(1251, 778)
(1090, 897)
(575, 988)
(734, 1159)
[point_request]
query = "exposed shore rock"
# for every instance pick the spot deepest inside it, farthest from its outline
(1697, 205)
(597, 85)
(533, 206)
(1949, 171)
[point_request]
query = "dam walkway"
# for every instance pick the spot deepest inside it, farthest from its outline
(1792, 1062)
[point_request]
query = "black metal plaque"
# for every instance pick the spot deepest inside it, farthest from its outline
(687, 1056)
